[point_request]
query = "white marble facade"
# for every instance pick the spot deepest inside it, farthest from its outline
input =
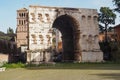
(41, 20)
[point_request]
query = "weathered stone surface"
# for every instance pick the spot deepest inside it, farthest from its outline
(92, 56)
(79, 29)
(22, 27)
(4, 58)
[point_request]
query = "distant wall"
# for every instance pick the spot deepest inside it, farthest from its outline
(4, 57)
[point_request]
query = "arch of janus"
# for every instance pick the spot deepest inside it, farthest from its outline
(79, 29)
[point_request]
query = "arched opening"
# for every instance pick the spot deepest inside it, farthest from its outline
(68, 27)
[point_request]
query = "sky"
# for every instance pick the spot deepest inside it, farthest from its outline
(8, 8)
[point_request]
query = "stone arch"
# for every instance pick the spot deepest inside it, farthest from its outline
(41, 39)
(83, 17)
(89, 17)
(95, 22)
(95, 19)
(96, 39)
(47, 17)
(40, 17)
(22, 14)
(34, 41)
(19, 14)
(95, 16)
(90, 42)
(68, 26)
(84, 41)
(89, 22)
(96, 46)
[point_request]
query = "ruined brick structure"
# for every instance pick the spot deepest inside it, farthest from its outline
(78, 27)
(22, 27)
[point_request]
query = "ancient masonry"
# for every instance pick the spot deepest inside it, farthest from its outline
(78, 27)
(22, 27)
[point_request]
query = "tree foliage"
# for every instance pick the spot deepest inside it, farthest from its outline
(101, 28)
(117, 4)
(106, 17)
(10, 31)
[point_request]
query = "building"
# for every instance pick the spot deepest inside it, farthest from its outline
(110, 36)
(22, 28)
(117, 32)
(78, 27)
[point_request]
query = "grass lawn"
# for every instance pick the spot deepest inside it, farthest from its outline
(64, 71)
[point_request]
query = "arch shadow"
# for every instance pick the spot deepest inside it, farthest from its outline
(69, 28)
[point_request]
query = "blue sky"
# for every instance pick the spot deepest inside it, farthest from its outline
(8, 8)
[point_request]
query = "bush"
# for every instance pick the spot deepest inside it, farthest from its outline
(2, 63)
(14, 65)
(112, 50)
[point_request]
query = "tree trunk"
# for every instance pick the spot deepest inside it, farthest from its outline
(106, 40)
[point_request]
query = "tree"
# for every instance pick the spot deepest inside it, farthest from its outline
(10, 31)
(106, 17)
(117, 4)
(101, 28)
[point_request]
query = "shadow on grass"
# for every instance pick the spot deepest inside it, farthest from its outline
(88, 66)
(82, 66)
(109, 76)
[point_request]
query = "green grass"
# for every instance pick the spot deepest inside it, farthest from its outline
(106, 65)
(14, 65)
(64, 71)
